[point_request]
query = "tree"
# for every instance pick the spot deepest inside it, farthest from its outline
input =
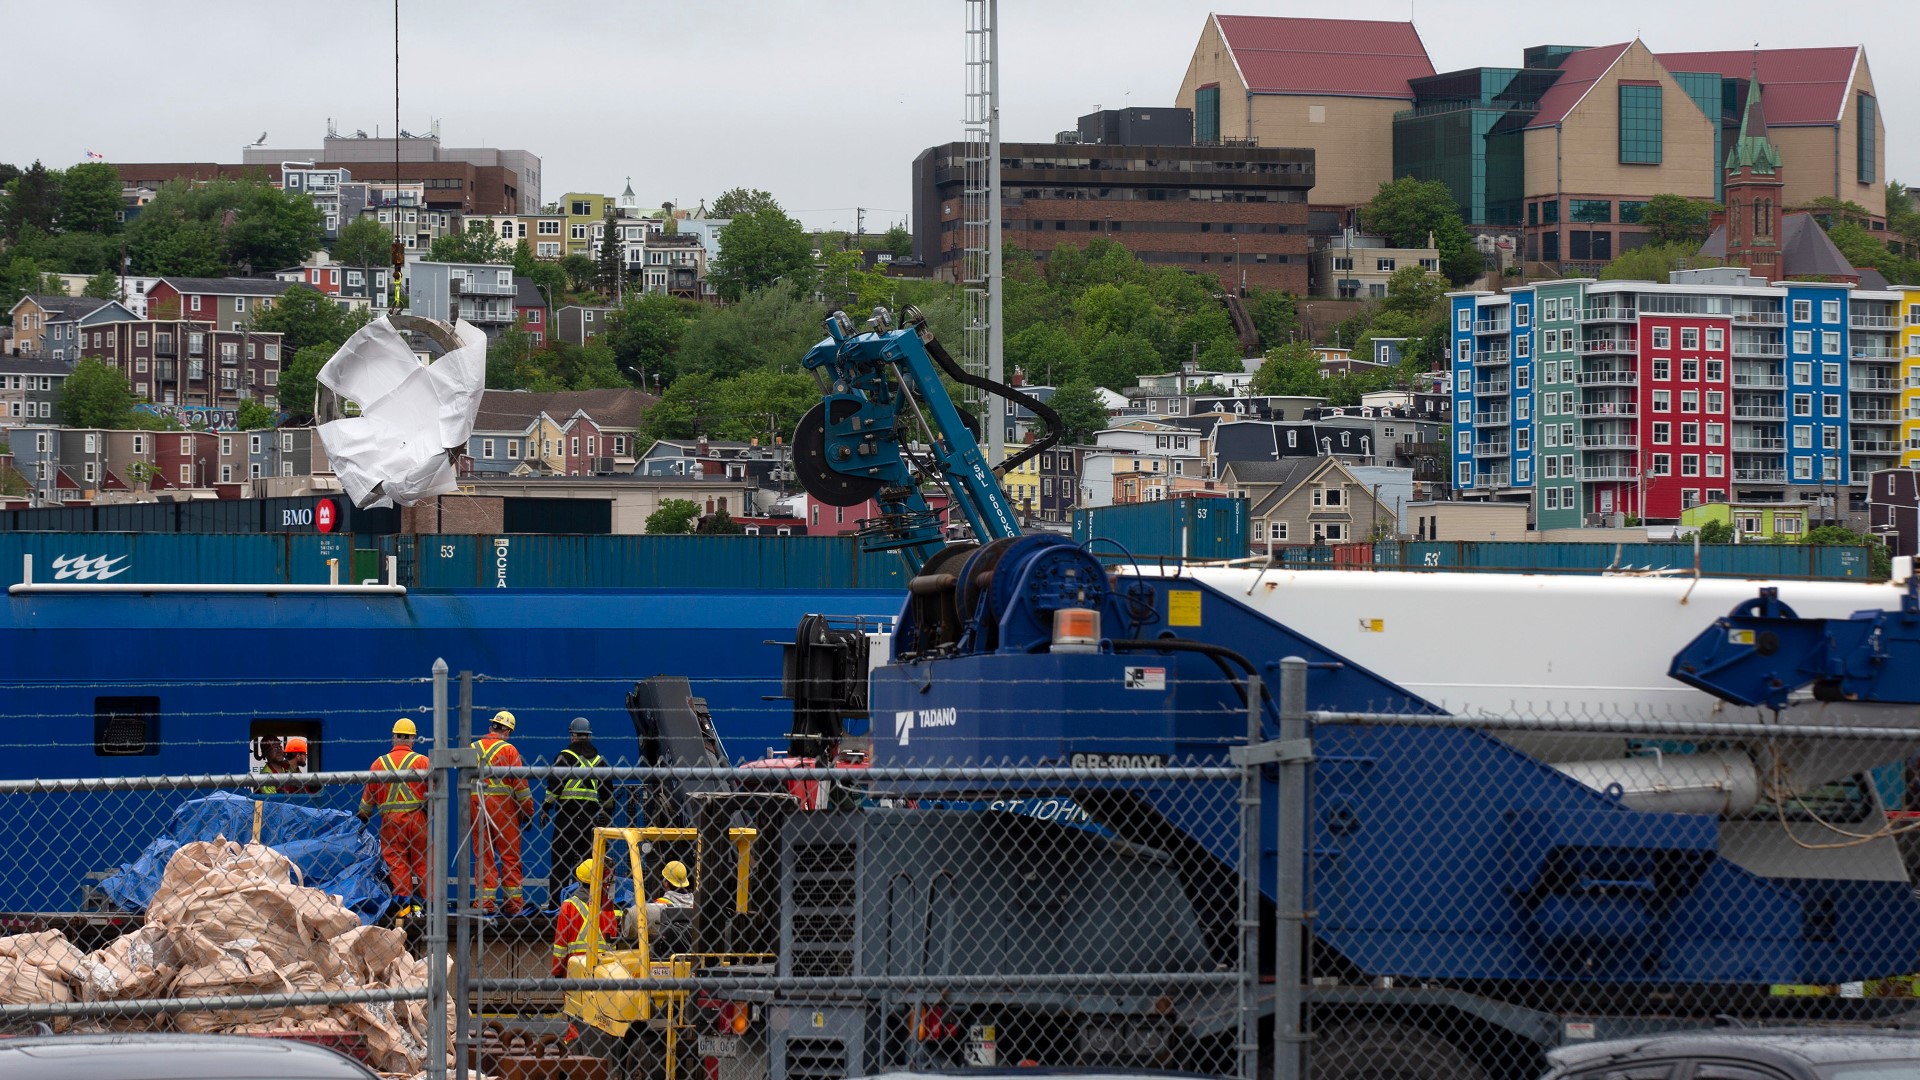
(609, 269)
(1676, 219)
(1082, 413)
(18, 277)
(762, 404)
(675, 516)
(300, 379)
(90, 199)
(1716, 532)
(363, 242)
(579, 270)
(759, 247)
(94, 395)
(1408, 211)
(104, 285)
(1274, 316)
(1048, 353)
(899, 242)
(304, 316)
(33, 199)
(238, 225)
(645, 333)
(252, 416)
(685, 410)
(473, 246)
(1652, 262)
(1291, 369)
(735, 202)
(1412, 291)
(1833, 211)
(719, 523)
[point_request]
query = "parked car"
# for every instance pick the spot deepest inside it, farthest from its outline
(1745, 1054)
(141, 1056)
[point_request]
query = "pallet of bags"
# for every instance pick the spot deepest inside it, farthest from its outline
(38, 969)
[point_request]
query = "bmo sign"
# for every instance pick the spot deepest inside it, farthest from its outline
(321, 516)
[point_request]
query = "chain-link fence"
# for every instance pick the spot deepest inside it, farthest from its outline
(1413, 894)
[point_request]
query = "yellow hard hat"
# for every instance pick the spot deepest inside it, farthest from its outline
(585, 871)
(503, 718)
(404, 726)
(676, 874)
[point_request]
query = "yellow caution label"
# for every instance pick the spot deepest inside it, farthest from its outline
(1183, 607)
(1739, 637)
(1373, 626)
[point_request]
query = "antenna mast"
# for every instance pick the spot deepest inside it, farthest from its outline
(981, 351)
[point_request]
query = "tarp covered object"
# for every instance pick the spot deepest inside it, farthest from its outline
(332, 848)
(411, 414)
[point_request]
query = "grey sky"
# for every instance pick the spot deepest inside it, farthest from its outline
(824, 104)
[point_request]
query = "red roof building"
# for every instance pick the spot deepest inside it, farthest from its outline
(1332, 85)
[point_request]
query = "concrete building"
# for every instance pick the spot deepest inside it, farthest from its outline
(1236, 213)
(1331, 86)
(1357, 266)
(481, 293)
(29, 387)
(507, 181)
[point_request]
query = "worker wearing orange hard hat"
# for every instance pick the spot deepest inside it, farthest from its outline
(292, 758)
(402, 806)
(501, 805)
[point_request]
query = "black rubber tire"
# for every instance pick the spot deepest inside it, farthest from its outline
(1388, 1052)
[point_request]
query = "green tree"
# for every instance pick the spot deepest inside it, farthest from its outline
(1832, 211)
(300, 379)
(645, 333)
(1676, 219)
(94, 395)
(899, 242)
(363, 242)
(1048, 353)
(304, 316)
(609, 267)
(252, 416)
(175, 246)
(1274, 316)
(737, 201)
(90, 199)
(770, 328)
(245, 225)
(510, 361)
(675, 516)
(762, 404)
(1119, 360)
(104, 285)
(33, 200)
(686, 409)
(1653, 262)
(1291, 369)
(1414, 292)
(1408, 211)
(1081, 411)
(472, 246)
(758, 247)
(579, 270)
(1716, 532)
(719, 523)
(19, 277)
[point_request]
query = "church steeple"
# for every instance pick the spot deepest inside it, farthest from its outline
(1753, 150)
(1754, 191)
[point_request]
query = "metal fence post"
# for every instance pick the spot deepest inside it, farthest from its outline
(436, 943)
(463, 893)
(1289, 900)
(1250, 893)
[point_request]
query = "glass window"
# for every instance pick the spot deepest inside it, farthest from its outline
(1630, 212)
(1829, 311)
(1689, 401)
(1803, 405)
(1802, 372)
(1689, 338)
(1594, 211)
(1830, 406)
(1662, 337)
(1690, 370)
(1716, 434)
(1716, 338)
(1830, 374)
(1690, 434)
(1550, 212)
(1830, 343)
(1803, 311)
(1662, 368)
(1663, 401)
(1206, 115)
(1662, 465)
(1803, 341)
(1716, 370)
(1641, 140)
(1864, 111)
(1662, 433)
(1716, 401)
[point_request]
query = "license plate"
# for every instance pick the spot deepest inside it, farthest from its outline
(719, 1046)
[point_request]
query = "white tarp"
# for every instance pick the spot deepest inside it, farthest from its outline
(411, 414)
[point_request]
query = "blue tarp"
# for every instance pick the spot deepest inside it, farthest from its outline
(333, 850)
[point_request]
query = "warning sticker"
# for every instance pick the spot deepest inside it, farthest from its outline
(1146, 678)
(1183, 607)
(1739, 637)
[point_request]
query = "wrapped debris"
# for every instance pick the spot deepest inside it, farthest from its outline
(38, 969)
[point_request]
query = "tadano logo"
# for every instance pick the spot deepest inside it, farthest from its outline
(905, 721)
(85, 568)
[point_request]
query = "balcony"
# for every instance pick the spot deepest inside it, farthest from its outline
(1873, 322)
(1490, 357)
(1497, 386)
(1768, 349)
(1760, 318)
(1491, 326)
(1491, 449)
(1608, 377)
(1758, 442)
(1873, 416)
(1604, 409)
(1760, 476)
(1609, 346)
(1608, 313)
(1755, 380)
(1876, 446)
(1490, 419)
(1867, 382)
(1873, 352)
(1610, 442)
(1760, 412)
(1498, 478)
(465, 287)
(1609, 472)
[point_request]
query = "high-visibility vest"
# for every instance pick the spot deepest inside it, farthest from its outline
(400, 796)
(578, 946)
(581, 788)
(491, 752)
(284, 769)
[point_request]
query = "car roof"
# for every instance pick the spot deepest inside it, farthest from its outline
(1782, 1045)
(159, 1056)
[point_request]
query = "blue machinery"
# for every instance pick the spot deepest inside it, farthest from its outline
(1763, 653)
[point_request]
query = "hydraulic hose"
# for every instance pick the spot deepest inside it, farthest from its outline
(967, 378)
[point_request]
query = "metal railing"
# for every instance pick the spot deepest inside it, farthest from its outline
(1763, 318)
(1761, 476)
(1610, 408)
(1608, 314)
(1610, 442)
(1753, 380)
(1591, 346)
(1609, 472)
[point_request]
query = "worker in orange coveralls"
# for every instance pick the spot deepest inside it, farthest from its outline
(500, 807)
(402, 806)
(570, 928)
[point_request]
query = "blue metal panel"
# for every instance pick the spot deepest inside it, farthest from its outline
(1171, 528)
(1464, 310)
(1716, 560)
(642, 562)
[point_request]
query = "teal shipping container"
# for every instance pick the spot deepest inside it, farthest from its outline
(174, 558)
(1170, 528)
(534, 561)
(1822, 561)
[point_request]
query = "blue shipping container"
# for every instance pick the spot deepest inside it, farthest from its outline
(174, 558)
(1170, 528)
(528, 561)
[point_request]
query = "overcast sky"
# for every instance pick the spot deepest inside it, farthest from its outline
(823, 103)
